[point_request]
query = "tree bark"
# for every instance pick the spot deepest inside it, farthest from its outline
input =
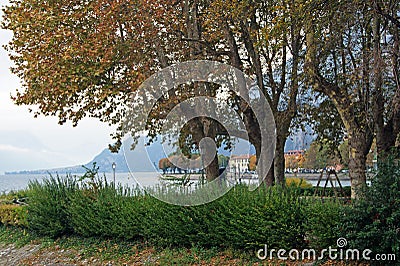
(357, 127)
(357, 160)
(279, 161)
(212, 170)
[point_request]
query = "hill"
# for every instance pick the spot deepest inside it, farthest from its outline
(143, 159)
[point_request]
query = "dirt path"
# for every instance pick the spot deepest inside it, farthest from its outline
(33, 255)
(10, 255)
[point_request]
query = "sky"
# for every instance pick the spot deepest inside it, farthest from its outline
(28, 143)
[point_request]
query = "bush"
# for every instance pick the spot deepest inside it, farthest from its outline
(298, 182)
(106, 212)
(48, 203)
(324, 219)
(373, 222)
(14, 215)
(241, 219)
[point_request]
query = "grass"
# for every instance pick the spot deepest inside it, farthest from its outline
(17, 236)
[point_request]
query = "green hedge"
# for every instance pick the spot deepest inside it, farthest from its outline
(373, 222)
(240, 219)
(48, 212)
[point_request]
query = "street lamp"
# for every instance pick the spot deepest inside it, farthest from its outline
(114, 165)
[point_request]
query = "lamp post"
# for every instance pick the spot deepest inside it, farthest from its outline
(114, 165)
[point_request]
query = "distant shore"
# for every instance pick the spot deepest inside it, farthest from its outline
(311, 177)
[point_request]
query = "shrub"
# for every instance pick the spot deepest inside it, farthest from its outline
(324, 218)
(298, 182)
(241, 219)
(106, 212)
(48, 202)
(373, 222)
(14, 215)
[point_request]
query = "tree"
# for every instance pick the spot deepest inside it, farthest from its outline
(263, 39)
(253, 163)
(340, 38)
(164, 164)
(386, 74)
(320, 155)
(294, 161)
(84, 58)
(343, 153)
(80, 59)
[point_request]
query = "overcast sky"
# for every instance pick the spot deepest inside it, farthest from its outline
(28, 143)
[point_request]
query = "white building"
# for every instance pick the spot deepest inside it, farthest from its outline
(239, 163)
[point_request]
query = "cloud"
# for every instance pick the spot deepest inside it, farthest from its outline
(21, 150)
(47, 143)
(34, 143)
(10, 148)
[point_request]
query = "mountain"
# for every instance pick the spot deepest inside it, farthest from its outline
(138, 159)
(141, 159)
(300, 140)
(145, 157)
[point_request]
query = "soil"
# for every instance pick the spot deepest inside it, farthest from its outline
(33, 254)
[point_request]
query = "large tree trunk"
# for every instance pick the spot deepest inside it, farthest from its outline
(212, 170)
(267, 180)
(209, 129)
(279, 161)
(357, 161)
(270, 178)
(386, 133)
(360, 134)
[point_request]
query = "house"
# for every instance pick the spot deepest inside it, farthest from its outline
(294, 160)
(239, 163)
(294, 153)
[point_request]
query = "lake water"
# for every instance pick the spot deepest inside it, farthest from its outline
(17, 182)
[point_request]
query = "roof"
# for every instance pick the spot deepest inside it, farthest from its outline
(291, 152)
(243, 156)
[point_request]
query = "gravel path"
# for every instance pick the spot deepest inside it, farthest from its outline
(33, 255)
(10, 255)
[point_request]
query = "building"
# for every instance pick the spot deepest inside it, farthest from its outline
(239, 163)
(294, 160)
(294, 153)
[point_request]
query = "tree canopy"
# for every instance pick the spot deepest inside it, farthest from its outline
(84, 58)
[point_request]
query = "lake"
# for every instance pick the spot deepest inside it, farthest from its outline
(17, 182)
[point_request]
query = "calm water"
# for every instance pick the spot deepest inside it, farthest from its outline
(17, 182)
